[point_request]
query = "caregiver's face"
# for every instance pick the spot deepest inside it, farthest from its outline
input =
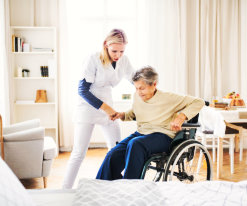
(116, 51)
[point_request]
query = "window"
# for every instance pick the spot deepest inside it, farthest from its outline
(90, 21)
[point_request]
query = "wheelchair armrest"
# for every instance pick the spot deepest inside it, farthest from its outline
(190, 125)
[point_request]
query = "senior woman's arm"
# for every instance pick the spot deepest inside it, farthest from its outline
(192, 106)
(187, 106)
(129, 116)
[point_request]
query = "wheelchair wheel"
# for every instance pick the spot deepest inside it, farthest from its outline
(190, 162)
(154, 168)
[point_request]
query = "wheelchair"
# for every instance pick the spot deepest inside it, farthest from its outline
(188, 160)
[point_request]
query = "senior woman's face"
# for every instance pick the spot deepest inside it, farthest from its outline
(145, 91)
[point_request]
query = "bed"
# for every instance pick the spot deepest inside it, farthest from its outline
(122, 193)
(52, 197)
(139, 192)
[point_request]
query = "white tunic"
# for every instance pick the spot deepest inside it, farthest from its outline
(102, 79)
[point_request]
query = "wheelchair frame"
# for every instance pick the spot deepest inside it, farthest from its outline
(182, 150)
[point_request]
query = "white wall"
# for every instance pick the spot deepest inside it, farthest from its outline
(33, 12)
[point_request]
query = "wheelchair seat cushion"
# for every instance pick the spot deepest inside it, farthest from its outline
(162, 154)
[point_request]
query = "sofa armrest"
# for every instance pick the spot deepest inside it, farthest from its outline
(50, 148)
(27, 135)
(21, 126)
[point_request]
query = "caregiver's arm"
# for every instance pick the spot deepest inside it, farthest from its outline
(84, 92)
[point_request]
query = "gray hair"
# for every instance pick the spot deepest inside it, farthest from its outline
(146, 74)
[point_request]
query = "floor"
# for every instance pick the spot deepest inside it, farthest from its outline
(95, 157)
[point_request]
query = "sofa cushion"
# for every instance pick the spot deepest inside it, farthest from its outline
(21, 126)
(50, 148)
(12, 192)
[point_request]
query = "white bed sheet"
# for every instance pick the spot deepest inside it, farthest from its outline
(144, 193)
(52, 197)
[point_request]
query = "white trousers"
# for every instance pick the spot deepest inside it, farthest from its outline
(82, 136)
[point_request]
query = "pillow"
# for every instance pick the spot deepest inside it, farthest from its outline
(12, 191)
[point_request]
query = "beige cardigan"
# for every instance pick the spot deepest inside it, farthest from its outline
(156, 114)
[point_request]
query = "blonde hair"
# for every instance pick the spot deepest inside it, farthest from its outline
(116, 36)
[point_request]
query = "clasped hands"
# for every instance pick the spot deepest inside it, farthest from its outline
(117, 115)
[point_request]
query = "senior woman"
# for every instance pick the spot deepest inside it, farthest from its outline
(159, 115)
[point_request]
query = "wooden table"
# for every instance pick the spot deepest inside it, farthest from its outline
(232, 118)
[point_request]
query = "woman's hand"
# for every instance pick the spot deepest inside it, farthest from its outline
(117, 115)
(113, 115)
(108, 110)
(176, 124)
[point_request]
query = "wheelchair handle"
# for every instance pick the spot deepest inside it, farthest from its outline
(187, 127)
(190, 125)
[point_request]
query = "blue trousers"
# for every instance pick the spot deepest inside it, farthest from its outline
(131, 154)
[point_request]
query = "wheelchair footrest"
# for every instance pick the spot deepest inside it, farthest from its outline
(156, 168)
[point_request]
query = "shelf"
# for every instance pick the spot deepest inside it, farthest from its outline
(34, 78)
(42, 50)
(32, 28)
(49, 127)
(33, 103)
(33, 53)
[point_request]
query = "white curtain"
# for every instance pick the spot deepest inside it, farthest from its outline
(243, 51)
(66, 89)
(218, 49)
(197, 46)
(4, 52)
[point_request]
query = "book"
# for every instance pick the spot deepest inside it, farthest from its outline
(44, 71)
(220, 104)
(19, 44)
(36, 49)
(13, 43)
(16, 44)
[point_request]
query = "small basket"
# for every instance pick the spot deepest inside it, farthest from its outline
(41, 96)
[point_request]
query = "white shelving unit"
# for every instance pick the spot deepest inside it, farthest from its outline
(24, 89)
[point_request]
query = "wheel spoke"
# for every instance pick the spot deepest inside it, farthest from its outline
(189, 164)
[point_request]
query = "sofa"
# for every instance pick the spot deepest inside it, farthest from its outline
(26, 149)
